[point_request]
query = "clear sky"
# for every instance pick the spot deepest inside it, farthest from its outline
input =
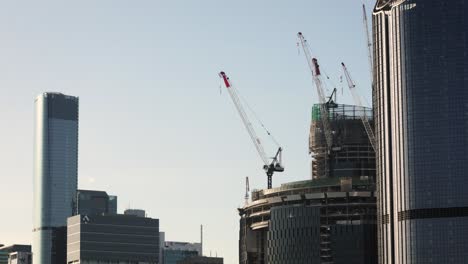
(154, 128)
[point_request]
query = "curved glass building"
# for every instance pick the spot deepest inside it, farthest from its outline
(328, 220)
(421, 119)
(55, 174)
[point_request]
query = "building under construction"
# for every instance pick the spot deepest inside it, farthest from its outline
(351, 153)
(330, 218)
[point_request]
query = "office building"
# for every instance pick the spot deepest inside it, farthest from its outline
(201, 260)
(106, 239)
(177, 251)
(4, 257)
(20, 258)
(96, 203)
(15, 254)
(112, 204)
(420, 100)
(162, 240)
(328, 219)
(55, 174)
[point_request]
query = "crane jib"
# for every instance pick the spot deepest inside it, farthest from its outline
(225, 79)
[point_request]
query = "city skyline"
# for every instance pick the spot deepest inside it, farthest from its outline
(143, 128)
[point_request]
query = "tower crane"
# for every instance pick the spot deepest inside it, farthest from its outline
(357, 100)
(316, 76)
(269, 166)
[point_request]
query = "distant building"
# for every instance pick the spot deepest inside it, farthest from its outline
(135, 212)
(162, 240)
(112, 204)
(4, 257)
(55, 174)
(123, 239)
(15, 254)
(20, 258)
(95, 203)
(178, 251)
(201, 260)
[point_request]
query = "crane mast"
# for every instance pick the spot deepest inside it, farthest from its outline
(357, 100)
(269, 167)
(316, 76)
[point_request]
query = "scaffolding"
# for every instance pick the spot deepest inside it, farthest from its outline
(350, 141)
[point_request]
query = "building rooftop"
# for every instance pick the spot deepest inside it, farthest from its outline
(342, 112)
(201, 260)
(357, 183)
(387, 4)
(15, 248)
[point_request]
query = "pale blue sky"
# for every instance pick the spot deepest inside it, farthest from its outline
(154, 128)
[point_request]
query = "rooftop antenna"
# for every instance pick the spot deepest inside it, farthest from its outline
(201, 239)
(247, 190)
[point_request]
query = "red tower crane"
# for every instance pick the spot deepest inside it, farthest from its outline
(269, 166)
(317, 78)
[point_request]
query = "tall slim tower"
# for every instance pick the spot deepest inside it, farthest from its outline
(421, 121)
(55, 174)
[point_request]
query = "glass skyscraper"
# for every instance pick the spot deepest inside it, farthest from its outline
(421, 121)
(55, 174)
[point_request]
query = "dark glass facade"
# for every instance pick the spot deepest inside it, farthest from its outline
(176, 256)
(55, 174)
(353, 244)
(110, 239)
(294, 235)
(421, 121)
(329, 220)
(95, 203)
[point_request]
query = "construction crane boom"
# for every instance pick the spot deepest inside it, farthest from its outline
(357, 100)
(316, 76)
(368, 40)
(269, 167)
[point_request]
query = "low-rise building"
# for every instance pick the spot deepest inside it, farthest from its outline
(15, 254)
(4, 257)
(177, 251)
(103, 239)
(20, 258)
(201, 260)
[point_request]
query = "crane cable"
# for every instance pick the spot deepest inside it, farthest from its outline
(254, 114)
